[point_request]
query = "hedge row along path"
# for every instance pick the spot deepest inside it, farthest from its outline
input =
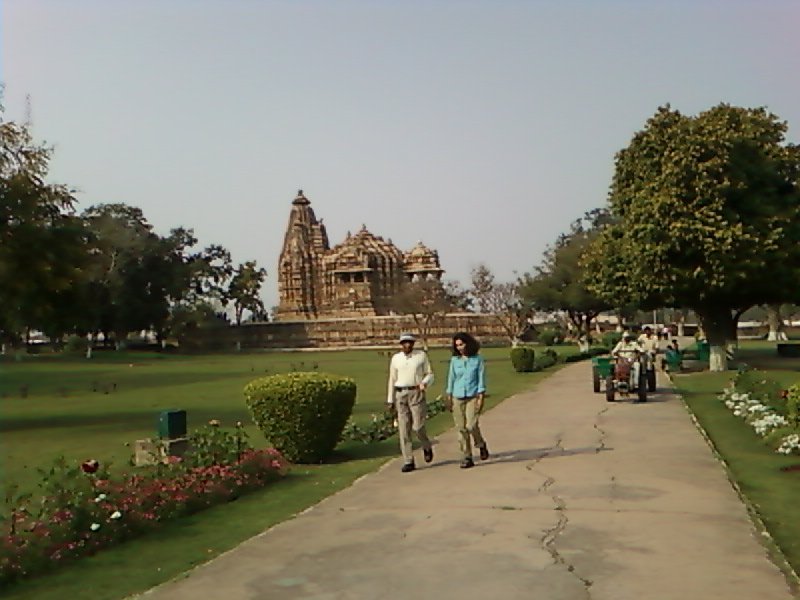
(581, 500)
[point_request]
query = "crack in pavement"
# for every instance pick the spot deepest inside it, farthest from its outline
(548, 540)
(601, 431)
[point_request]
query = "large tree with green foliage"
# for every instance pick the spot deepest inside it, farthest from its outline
(558, 284)
(706, 216)
(42, 243)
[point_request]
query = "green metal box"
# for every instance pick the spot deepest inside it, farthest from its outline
(603, 364)
(172, 424)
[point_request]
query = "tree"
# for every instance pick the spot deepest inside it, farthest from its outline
(42, 244)
(558, 284)
(427, 301)
(706, 216)
(244, 289)
(502, 301)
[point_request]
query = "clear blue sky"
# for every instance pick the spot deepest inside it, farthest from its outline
(482, 128)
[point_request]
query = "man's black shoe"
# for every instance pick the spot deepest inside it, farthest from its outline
(467, 463)
(484, 452)
(428, 454)
(408, 467)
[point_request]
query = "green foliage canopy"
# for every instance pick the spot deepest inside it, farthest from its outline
(705, 215)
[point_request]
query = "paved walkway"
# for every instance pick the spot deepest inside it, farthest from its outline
(581, 500)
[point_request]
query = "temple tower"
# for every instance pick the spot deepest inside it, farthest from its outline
(299, 266)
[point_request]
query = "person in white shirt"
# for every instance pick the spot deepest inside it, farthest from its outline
(649, 344)
(629, 349)
(410, 374)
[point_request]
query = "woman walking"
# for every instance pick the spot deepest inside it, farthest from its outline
(466, 386)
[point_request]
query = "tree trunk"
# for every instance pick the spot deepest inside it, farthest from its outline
(620, 320)
(718, 359)
(717, 325)
(775, 321)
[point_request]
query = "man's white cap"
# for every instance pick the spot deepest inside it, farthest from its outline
(407, 337)
(627, 334)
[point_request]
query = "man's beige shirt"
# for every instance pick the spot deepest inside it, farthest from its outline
(627, 348)
(649, 344)
(407, 370)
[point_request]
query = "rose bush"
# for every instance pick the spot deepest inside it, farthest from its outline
(82, 509)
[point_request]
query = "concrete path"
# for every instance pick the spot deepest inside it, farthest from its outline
(581, 500)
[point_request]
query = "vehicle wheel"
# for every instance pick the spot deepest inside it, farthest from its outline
(595, 380)
(641, 389)
(651, 380)
(610, 388)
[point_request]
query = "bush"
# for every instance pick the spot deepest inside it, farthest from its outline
(76, 344)
(548, 337)
(789, 350)
(522, 357)
(301, 414)
(611, 338)
(545, 359)
(596, 351)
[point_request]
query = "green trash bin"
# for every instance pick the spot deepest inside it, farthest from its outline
(172, 424)
(703, 351)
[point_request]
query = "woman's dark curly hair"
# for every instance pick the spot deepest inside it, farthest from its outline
(470, 342)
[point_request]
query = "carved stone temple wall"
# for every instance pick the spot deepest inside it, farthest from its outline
(379, 331)
(356, 278)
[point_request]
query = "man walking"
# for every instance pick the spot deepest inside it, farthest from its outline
(410, 374)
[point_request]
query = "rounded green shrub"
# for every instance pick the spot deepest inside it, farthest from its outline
(522, 358)
(611, 338)
(548, 337)
(301, 414)
(545, 359)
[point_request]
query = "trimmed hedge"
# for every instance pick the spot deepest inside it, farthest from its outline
(546, 358)
(789, 350)
(595, 351)
(522, 358)
(301, 414)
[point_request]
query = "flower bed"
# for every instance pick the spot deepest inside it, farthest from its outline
(83, 509)
(774, 414)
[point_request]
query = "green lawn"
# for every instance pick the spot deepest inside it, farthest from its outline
(62, 415)
(773, 493)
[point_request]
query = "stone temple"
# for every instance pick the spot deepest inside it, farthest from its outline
(356, 278)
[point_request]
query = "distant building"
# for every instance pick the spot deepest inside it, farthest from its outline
(356, 278)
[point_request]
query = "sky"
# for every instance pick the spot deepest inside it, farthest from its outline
(482, 128)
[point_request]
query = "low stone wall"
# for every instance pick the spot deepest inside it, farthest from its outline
(344, 333)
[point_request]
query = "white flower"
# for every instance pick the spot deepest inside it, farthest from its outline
(790, 444)
(767, 422)
(94, 526)
(100, 498)
(116, 514)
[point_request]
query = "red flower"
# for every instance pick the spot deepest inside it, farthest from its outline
(90, 466)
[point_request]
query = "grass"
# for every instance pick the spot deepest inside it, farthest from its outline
(754, 466)
(63, 416)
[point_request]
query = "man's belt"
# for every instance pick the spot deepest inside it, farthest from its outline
(405, 388)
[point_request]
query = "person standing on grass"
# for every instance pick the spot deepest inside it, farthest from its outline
(466, 387)
(410, 374)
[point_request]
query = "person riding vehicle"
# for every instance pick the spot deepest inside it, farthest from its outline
(627, 351)
(649, 343)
